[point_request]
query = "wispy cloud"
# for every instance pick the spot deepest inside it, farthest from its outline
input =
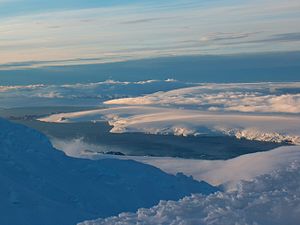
(258, 97)
(219, 36)
(146, 20)
(141, 30)
(284, 37)
(80, 94)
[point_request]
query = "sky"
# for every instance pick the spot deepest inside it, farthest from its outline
(64, 32)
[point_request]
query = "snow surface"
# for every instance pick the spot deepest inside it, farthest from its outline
(162, 120)
(228, 172)
(259, 188)
(215, 172)
(40, 185)
(268, 199)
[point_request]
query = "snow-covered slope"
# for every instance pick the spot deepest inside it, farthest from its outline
(215, 172)
(268, 199)
(228, 172)
(40, 185)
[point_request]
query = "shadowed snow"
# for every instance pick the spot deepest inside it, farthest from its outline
(40, 185)
(268, 199)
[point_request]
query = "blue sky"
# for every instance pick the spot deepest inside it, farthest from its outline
(69, 32)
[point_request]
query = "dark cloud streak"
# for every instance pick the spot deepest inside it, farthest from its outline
(145, 20)
(284, 37)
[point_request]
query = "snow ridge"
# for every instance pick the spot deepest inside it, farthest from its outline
(268, 199)
(44, 186)
(254, 134)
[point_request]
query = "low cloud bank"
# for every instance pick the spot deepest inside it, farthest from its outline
(81, 94)
(260, 97)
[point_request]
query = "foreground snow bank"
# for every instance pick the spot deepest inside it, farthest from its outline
(268, 199)
(40, 185)
(216, 172)
(228, 172)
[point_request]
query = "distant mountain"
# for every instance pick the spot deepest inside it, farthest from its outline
(40, 185)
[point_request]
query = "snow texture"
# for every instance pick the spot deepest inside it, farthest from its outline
(215, 172)
(268, 199)
(40, 185)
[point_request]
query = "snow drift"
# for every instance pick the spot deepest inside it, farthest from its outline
(215, 172)
(268, 199)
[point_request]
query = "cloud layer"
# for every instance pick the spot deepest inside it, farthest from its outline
(260, 97)
(257, 111)
(90, 94)
(99, 32)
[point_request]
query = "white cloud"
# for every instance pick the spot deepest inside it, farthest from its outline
(80, 94)
(15, 88)
(261, 97)
(258, 111)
